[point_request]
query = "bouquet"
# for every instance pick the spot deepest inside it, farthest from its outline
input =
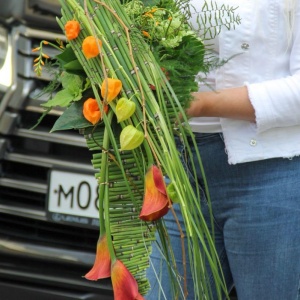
(124, 77)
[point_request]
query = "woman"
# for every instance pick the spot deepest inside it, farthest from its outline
(248, 135)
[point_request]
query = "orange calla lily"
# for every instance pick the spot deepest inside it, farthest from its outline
(90, 47)
(156, 203)
(102, 264)
(110, 89)
(124, 284)
(72, 29)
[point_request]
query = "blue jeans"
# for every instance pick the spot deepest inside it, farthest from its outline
(256, 209)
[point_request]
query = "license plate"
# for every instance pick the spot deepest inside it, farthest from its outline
(73, 198)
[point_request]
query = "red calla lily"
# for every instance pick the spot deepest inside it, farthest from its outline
(102, 264)
(124, 284)
(156, 203)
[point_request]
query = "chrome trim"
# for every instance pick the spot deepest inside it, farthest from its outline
(3, 46)
(24, 212)
(46, 253)
(10, 61)
(3, 145)
(40, 109)
(53, 137)
(48, 162)
(8, 122)
(41, 34)
(24, 185)
(5, 58)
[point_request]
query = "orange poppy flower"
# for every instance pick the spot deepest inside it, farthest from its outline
(102, 264)
(156, 203)
(72, 29)
(124, 284)
(110, 89)
(91, 110)
(90, 47)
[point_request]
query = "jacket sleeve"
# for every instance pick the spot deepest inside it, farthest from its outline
(277, 102)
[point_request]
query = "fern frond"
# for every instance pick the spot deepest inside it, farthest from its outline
(213, 17)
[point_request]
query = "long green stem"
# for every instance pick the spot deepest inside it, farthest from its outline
(102, 182)
(107, 221)
(136, 70)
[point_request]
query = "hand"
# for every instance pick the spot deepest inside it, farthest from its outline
(196, 105)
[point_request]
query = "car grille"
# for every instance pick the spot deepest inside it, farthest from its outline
(26, 160)
(28, 155)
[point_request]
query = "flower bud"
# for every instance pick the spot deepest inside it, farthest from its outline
(91, 110)
(72, 29)
(110, 89)
(172, 193)
(91, 47)
(124, 109)
(131, 138)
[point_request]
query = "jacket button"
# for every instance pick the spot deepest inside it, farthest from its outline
(245, 46)
(253, 142)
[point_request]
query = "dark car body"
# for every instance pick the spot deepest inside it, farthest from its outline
(42, 255)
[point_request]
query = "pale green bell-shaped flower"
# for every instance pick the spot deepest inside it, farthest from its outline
(124, 109)
(131, 138)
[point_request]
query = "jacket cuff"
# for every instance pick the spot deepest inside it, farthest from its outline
(264, 115)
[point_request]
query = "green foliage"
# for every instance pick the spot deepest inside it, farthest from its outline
(72, 118)
(72, 78)
(69, 62)
(121, 199)
(181, 64)
(66, 56)
(178, 50)
(62, 98)
(68, 84)
(172, 193)
(72, 88)
(215, 16)
(176, 47)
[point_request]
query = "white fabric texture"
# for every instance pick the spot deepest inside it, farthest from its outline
(268, 63)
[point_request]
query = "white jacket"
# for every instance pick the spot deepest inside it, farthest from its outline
(269, 64)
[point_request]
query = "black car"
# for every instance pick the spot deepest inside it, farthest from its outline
(45, 248)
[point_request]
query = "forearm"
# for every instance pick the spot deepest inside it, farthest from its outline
(230, 103)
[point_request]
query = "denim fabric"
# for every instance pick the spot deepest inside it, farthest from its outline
(256, 210)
